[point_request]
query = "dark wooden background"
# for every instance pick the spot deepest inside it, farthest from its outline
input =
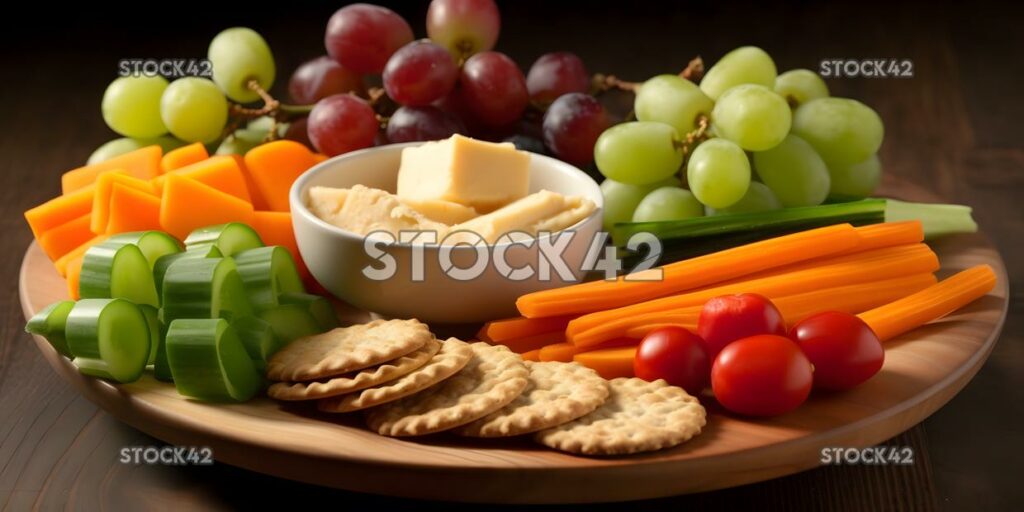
(955, 129)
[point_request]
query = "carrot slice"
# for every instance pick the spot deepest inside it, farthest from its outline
(533, 355)
(274, 166)
(610, 363)
(521, 327)
(867, 266)
(528, 343)
(64, 238)
(320, 157)
(183, 156)
(74, 272)
(565, 351)
(132, 210)
(143, 163)
(59, 210)
(62, 263)
(888, 234)
(258, 202)
(220, 172)
(188, 204)
(690, 274)
(934, 302)
(101, 198)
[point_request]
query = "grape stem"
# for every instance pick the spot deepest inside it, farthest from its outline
(692, 140)
(602, 83)
(694, 70)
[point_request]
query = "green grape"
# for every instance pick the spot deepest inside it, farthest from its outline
(752, 116)
(799, 86)
(621, 199)
(239, 55)
(794, 171)
(668, 203)
(855, 180)
(131, 106)
(744, 65)
(718, 173)
(759, 198)
(672, 100)
(638, 153)
(843, 131)
(118, 147)
(241, 141)
(194, 109)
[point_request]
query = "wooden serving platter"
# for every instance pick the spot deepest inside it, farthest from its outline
(923, 370)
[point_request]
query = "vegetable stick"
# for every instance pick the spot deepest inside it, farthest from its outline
(143, 163)
(520, 327)
(62, 263)
(897, 317)
(74, 272)
(59, 210)
(131, 209)
(66, 237)
(220, 172)
(274, 166)
(258, 202)
(101, 197)
(528, 343)
(533, 355)
(183, 156)
(692, 273)
(851, 299)
(610, 363)
(872, 265)
(888, 234)
(188, 205)
(275, 228)
(564, 352)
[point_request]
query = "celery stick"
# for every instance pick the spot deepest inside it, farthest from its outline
(936, 219)
(50, 322)
(209, 362)
(266, 273)
(109, 338)
(230, 238)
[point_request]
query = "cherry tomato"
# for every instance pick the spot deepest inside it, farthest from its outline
(676, 355)
(843, 349)
(763, 375)
(728, 318)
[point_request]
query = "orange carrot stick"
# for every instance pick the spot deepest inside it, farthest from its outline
(934, 302)
(690, 274)
(183, 156)
(520, 327)
(533, 355)
(564, 352)
(62, 263)
(867, 266)
(528, 343)
(610, 363)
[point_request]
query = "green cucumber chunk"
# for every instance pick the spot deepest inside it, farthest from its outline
(258, 338)
(109, 338)
(268, 272)
(203, 288)
(113, 270)
(290, 321)
(49, 323)
(209, 362)
(153, 244)
(164, 262)
(155, 330)
(231, 238)
(318, 306)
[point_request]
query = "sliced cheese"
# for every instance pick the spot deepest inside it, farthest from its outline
(470, 172)
(363, 210)
(445, 212)
(533, 214)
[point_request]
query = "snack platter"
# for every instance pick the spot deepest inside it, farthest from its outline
(923, 370)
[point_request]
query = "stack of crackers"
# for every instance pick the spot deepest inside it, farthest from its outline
(409, 383)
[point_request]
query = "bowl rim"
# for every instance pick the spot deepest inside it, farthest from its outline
(298, 206)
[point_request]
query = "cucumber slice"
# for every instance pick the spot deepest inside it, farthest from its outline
(161, 370)
(209, 362)
(155, 330)
(113, 270)
(49, 323)
(268, 272)
(153, 244)
(164, 262)
(203, 288)
(109, 338)
(318, 306)
(258, 338)
(290, 321)
(230, 238)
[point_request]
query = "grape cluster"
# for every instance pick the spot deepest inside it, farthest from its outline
(748, 140)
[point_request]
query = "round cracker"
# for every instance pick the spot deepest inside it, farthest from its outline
(453, 356)
(493, 377)
(347, 349)
(361, 379)
(555, 394)
(638, 416)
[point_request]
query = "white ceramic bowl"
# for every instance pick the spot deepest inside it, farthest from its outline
(337, 257)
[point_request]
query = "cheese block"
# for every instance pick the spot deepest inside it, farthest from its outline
(474, 173)
(445, 212)
(533, 214)
(363, 210)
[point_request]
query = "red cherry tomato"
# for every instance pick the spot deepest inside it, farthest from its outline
(763, 375)
(728, 318)
(843, 349)
(676, 355)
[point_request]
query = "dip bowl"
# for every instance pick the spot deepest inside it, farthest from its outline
(432, 283)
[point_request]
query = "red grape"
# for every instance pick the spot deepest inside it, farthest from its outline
(362, 37)
(321, 77)
(572, 125)
(555, 74)
(342, 123)
(464, 27)
(420, 73)
(411, 124)
(298, 130)
(493, 88)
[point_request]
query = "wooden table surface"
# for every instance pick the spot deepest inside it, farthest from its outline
(953, 128)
